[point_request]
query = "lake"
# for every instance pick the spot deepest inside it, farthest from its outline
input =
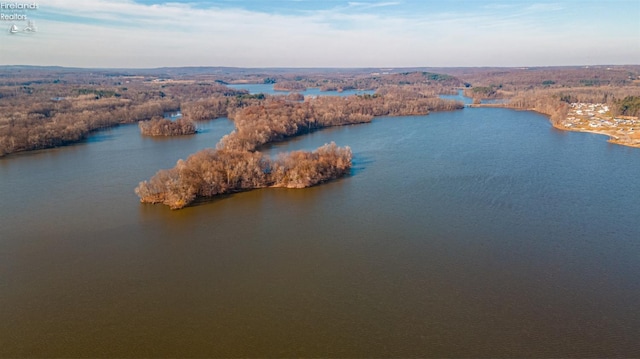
(479, 232)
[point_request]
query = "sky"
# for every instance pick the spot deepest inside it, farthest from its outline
(321, 33)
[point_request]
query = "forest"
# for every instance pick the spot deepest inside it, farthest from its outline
(276, 119)
(55, 123)
(158, 126)
(212, 172)
(38, 114)
(43, 108)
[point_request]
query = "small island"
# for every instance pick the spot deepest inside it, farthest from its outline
(213, 172)
(165, 127)
(288, 86)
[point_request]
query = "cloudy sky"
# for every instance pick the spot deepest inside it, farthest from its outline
(324, 33)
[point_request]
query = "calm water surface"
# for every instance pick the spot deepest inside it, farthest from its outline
(479, 232)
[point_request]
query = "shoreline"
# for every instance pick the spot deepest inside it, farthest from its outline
(613, 138)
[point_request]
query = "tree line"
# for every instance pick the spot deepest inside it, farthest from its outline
(555, 102)
(46, 125)
(42, 108)
(159, 126)
(42, 114)
(517, 79)
(210, 172)
(277, 119)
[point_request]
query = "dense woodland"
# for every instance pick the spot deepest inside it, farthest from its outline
(210, 172)
(277, 119)
(437, 82)
(46, 124)
(48, 107)
(37, 114)
(165, 127)
(289, 86)
(510, 79)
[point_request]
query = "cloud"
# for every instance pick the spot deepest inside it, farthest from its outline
(544, 7)
(123, 33)
(496, 6)
(372, 5)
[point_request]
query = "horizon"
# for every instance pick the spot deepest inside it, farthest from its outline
(292, 68)
(335, 34)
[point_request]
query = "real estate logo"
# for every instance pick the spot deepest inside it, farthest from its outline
(31, 27)
(17, 11)
(14, 11)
